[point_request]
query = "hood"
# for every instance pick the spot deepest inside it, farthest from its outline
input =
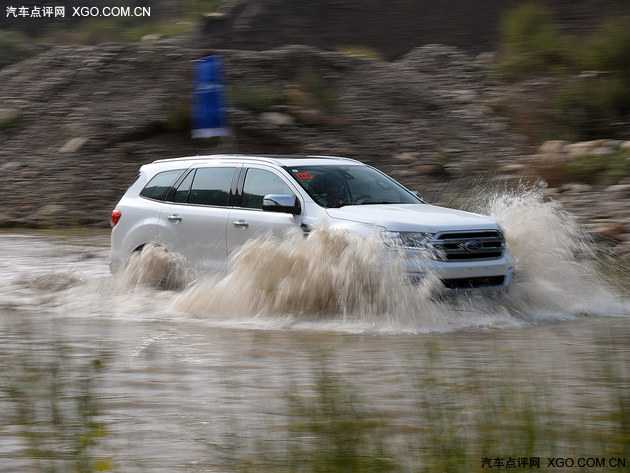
(413, 217)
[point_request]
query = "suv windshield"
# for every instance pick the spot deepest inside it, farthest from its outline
(336, 186)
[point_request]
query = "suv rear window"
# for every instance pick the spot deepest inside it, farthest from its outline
(158, 187)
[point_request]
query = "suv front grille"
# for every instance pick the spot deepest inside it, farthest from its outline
(472, 283)
(466, 246)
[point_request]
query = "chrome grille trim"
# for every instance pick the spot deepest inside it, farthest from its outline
(469, 245)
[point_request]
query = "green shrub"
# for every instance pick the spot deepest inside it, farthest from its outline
(9, 121)
(608, 169)
(198, 8)
(311, 84)
(178, 118)
(530, 42)
(591, 106)
(584, 106)
(609, 50)
(15, 47)
(361, 51)
(255, 98)
(596, 170)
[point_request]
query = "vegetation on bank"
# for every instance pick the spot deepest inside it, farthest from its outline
(591, 95)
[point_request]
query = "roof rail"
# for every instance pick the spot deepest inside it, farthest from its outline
(269, 158)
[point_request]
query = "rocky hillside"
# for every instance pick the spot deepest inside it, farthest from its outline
(85, 118)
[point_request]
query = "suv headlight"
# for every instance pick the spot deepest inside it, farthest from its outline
(414, 241)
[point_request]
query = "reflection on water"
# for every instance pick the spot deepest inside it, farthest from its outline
(306, 347)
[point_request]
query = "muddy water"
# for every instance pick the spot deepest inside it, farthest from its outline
(161, 369)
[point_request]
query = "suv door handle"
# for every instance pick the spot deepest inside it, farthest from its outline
(240, 224)
(174, 218)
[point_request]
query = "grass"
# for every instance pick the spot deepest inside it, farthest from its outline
(483, 420)
(53, 406)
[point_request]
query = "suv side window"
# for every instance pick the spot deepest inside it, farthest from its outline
(259, 183)
(182, 191)
(158, 187)
(211, 186)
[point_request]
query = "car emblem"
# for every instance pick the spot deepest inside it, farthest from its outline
(472, 245)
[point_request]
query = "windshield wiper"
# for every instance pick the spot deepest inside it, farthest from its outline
(377, 203)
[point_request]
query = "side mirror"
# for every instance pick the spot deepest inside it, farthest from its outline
(417, 194)
(284, 203)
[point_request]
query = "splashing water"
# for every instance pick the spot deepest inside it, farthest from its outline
(338, 280)
(554, 259)
(154, 267)
(332, 275)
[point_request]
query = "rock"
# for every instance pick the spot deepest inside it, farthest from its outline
(550, 191)
(12, 166)
(277, 119)
(552, 146)
(583, 148)
(29, 174)
(406, 157)
(299, 98)
(613, 231)
(50, 210)
(618, 191)
(310, 116)
(151, 37)
(613, 144)
(575, 188)
(486, 57)
(513, 167)
(215, 16)
(73, 145)
(600, 151)
(465, 96)
(429, 170)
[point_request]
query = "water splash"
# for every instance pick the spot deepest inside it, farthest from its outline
(331, 276)
(340, 281)
(154, 267)
(554, 257)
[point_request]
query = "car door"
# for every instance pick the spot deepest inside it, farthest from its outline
(248, 220)
(193, 220)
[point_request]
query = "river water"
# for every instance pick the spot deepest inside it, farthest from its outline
(160, 369)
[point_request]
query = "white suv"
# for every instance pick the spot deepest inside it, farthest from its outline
(206, 207)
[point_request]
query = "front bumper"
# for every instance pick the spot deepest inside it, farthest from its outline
(469, 274)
